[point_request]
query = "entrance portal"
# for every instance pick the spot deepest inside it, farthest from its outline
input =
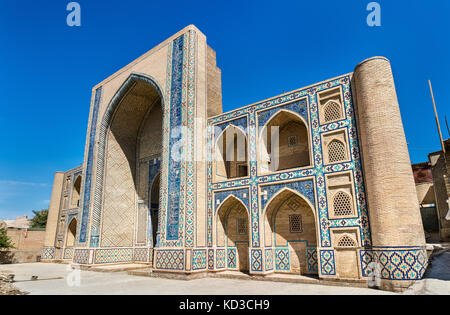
(290, 230)
(233, 233)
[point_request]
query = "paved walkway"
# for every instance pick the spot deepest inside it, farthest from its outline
(121, 283)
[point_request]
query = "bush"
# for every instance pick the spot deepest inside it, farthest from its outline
(5, 241)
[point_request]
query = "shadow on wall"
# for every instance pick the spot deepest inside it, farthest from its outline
(19, 256)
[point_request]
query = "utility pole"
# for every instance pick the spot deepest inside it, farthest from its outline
(437, 119)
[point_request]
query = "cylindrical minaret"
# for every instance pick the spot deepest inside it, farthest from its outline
(394, 213)
(53, 212)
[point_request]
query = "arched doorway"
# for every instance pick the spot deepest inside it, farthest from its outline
(154, 211)
(290, 230)
(231, 154)
(133, 142)
(75, 200)
(284, 142)
(71, 233)
(232, 233)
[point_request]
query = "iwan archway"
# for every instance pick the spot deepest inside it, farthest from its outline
(132, 149)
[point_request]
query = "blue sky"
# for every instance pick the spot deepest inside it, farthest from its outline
(263, 48)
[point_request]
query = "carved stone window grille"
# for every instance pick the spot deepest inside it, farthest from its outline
(346, 241)
(342, 204)
(292, 141)
(241, 224)
(336, 151)
(295, 223)
(332, 112)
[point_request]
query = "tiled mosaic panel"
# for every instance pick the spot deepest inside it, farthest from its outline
(269, 259)
(256, 260)
(306, 188)
(199, 259)
(299, 107)
(282, 261)
(116, 255)
(89, 167)
(48, 253)
(241, 123)
(327, 263)
(396, 263)
(221, 259)
(174, 181)
(210, 259)
(240, 194)
(81, 256)
(68, 253)
(170, 259)
(231, 258)
(141, 255)
(311, 257)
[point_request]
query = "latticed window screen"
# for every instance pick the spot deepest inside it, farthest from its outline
(241, 224)
(346, 241)
(295, 223)
(342, 204)
(336, 151)
(292, 141)
(332, 111)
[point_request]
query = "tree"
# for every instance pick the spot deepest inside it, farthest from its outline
(5, 241)
(40, 219)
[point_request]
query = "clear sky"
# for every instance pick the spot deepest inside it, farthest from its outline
(263, 48)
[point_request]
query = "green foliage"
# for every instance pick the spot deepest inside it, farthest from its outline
(40, 219)
(5, 241)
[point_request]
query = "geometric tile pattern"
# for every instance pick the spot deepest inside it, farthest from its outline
(241, 194)
(118, 210)
(68, 253)
(311, 258)
(174, 180)
(221, 259)
(210, 259)
(269, 259)
(170, 259)
(199, 259)
(81, 256)
(141, 255)
(48, 253)
(116, 255)
(282, 259)
(89, 167)
(256, 260)
(232, 256)
(396, 263)
(327, 264)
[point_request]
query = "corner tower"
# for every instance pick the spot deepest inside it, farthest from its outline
(397, 232)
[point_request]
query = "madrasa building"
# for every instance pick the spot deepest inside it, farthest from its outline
(318, 181)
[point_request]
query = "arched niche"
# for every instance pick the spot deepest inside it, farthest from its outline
(284, 142)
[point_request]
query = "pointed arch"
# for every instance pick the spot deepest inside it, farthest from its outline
(231, 155)
(288, 145)
(71, 232)
(290, 228)
(337, 151)
(346, 241)
(119, 130)
(233, 231)
(342, 204)
(332, 111)
(76, 192)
